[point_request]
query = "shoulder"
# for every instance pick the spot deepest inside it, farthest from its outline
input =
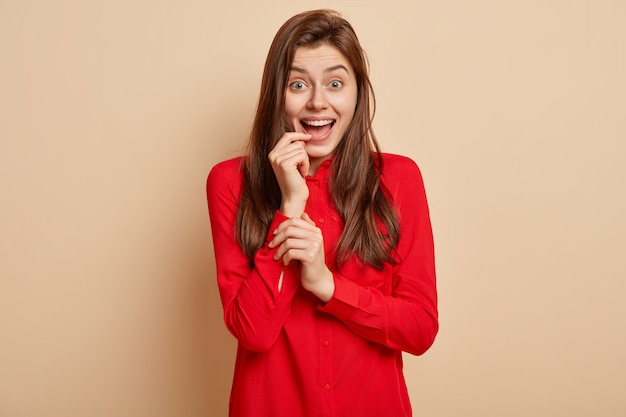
(227, 172)
(228, 168)
(403, 181)
(399, 167)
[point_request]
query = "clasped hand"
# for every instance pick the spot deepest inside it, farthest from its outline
(298, 238)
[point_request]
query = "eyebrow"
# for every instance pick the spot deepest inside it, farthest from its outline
(329, 69)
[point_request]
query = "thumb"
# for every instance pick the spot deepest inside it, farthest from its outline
(303, 167)
(307, 219)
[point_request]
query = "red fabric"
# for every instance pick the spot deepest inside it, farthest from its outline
(299, 357)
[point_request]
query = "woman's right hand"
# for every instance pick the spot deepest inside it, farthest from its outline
(291, 164)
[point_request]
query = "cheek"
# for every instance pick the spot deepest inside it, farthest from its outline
(292, 112)
(347, 110)
(292, 106)
(347, 105)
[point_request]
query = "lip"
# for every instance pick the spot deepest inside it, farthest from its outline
(318, 118)
(322, 137)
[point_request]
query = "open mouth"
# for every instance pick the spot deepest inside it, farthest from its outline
(317, 128)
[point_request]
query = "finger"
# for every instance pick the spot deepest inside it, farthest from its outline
(293, 233)
(290, 245)
(293, 151)
(290, 137)
(292, 156)
(306, 255)
(280, 153)
(303, 167)
(292, 225)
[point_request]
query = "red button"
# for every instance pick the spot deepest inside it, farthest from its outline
(327, 387)
(326, 343)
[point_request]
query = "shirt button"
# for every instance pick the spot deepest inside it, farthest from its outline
(327, 387)
(321, 220)
(326, 343)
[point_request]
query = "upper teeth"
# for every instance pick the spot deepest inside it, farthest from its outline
(318, 122)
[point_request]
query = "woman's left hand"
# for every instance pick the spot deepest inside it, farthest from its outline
(299, 239)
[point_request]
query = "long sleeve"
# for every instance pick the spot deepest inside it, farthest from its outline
(254, 307)
(299, 357)
(402, 316)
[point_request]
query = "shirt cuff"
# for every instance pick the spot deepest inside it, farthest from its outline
(270, 269)
(276, 221)
(345, 298)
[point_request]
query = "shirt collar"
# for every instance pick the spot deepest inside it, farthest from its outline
(323, 171)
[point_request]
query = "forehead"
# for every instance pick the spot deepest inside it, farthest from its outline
(323, 56)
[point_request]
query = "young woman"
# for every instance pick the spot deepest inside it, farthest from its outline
(323, 244)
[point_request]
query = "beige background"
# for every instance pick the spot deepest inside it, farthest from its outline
(112, 113)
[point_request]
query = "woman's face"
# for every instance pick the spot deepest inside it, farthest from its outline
(320, 99)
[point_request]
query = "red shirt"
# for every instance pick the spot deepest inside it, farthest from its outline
(297, 356)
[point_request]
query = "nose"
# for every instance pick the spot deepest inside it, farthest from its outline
(318, 99)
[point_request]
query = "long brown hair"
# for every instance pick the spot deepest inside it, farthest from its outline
(356, 189)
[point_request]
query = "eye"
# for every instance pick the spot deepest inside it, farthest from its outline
(336, 84)
(297, 85)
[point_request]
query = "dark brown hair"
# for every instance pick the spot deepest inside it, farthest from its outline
(360, 199)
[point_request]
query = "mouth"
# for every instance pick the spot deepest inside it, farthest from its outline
(318, 128)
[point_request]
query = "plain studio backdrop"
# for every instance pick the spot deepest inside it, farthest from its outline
(112, 114)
